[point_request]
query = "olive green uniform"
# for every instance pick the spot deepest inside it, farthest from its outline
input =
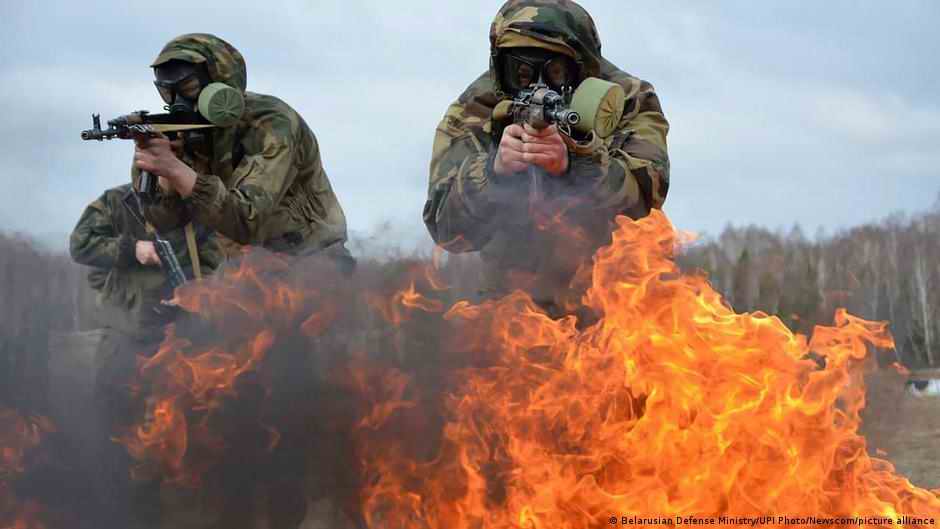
(128, 307)
(129, 293)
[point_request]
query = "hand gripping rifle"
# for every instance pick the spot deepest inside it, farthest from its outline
(143, 123)
(596, 109)
(540, 107)
(168, 261)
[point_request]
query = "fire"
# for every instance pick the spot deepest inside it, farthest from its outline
(27, 517)
(670, 405)
(397, 309)
(189, 383)
(18, 437)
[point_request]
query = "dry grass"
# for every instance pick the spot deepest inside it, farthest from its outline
(905, 427)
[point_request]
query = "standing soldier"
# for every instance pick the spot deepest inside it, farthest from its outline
(126, 273)
(257, 180)
(479, 181)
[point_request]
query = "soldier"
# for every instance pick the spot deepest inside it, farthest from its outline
(258, 182)
(478, 178)
(131, 289)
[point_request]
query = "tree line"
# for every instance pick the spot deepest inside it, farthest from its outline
(886, 271)
(41, 292)
(889, 270)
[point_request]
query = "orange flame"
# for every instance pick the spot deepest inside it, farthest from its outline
(163, 437)
(670, 405)
(183, 382)
(395, 310)
(27, 517)
(18, 436)
(189, 382)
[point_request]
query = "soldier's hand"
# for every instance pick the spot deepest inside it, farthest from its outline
(510, 156)
(146, 253)
(155, 154)
(545, 148)
(177, 147)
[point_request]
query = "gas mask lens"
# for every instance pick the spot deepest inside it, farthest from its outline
(188, 87)
(166, 93)
(179, 83)
(557, 73)
(522, 67)
(521, 73)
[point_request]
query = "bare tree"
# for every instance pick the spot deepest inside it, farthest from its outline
(923, 309)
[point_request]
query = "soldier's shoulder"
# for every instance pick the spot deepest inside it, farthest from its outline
(630, 83)
(114, 195)
(481, 88)
(255, 102)
(121, 190)
(479, 99)
(263, 111)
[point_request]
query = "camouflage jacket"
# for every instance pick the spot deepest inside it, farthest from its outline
(263, 182)
(129, 293)
(469, 208)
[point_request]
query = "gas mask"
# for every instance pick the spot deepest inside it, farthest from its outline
(179, 84)
(186, 89)
(521, 67)
(599, 104)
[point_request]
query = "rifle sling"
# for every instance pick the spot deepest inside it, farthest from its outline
(193, 249)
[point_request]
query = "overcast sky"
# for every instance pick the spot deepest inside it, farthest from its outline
(822, 113)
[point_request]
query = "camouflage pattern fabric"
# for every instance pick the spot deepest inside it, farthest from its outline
(129, 309)
(469, 208)
(129, 296)
(262, 181)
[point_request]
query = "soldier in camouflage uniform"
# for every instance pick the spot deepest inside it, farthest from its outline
(259, 182)
(126, 273)
(478, 185)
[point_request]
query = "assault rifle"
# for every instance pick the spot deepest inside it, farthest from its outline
(143, 123)
(540, 107)
(168, 261)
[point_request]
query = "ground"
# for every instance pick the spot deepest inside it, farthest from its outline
(905, 427)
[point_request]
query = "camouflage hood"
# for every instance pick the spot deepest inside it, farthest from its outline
(224, 62)
(562, 26)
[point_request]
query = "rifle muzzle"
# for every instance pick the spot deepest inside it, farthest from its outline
(567, 117)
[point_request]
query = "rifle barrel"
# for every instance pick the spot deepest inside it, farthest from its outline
(92, 134)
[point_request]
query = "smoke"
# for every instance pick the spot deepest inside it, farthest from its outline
(284, 381)
(262, 393)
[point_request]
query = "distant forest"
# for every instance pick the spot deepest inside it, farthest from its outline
(888, 270)
(40, 293)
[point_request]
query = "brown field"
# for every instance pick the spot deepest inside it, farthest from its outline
(904, 427)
